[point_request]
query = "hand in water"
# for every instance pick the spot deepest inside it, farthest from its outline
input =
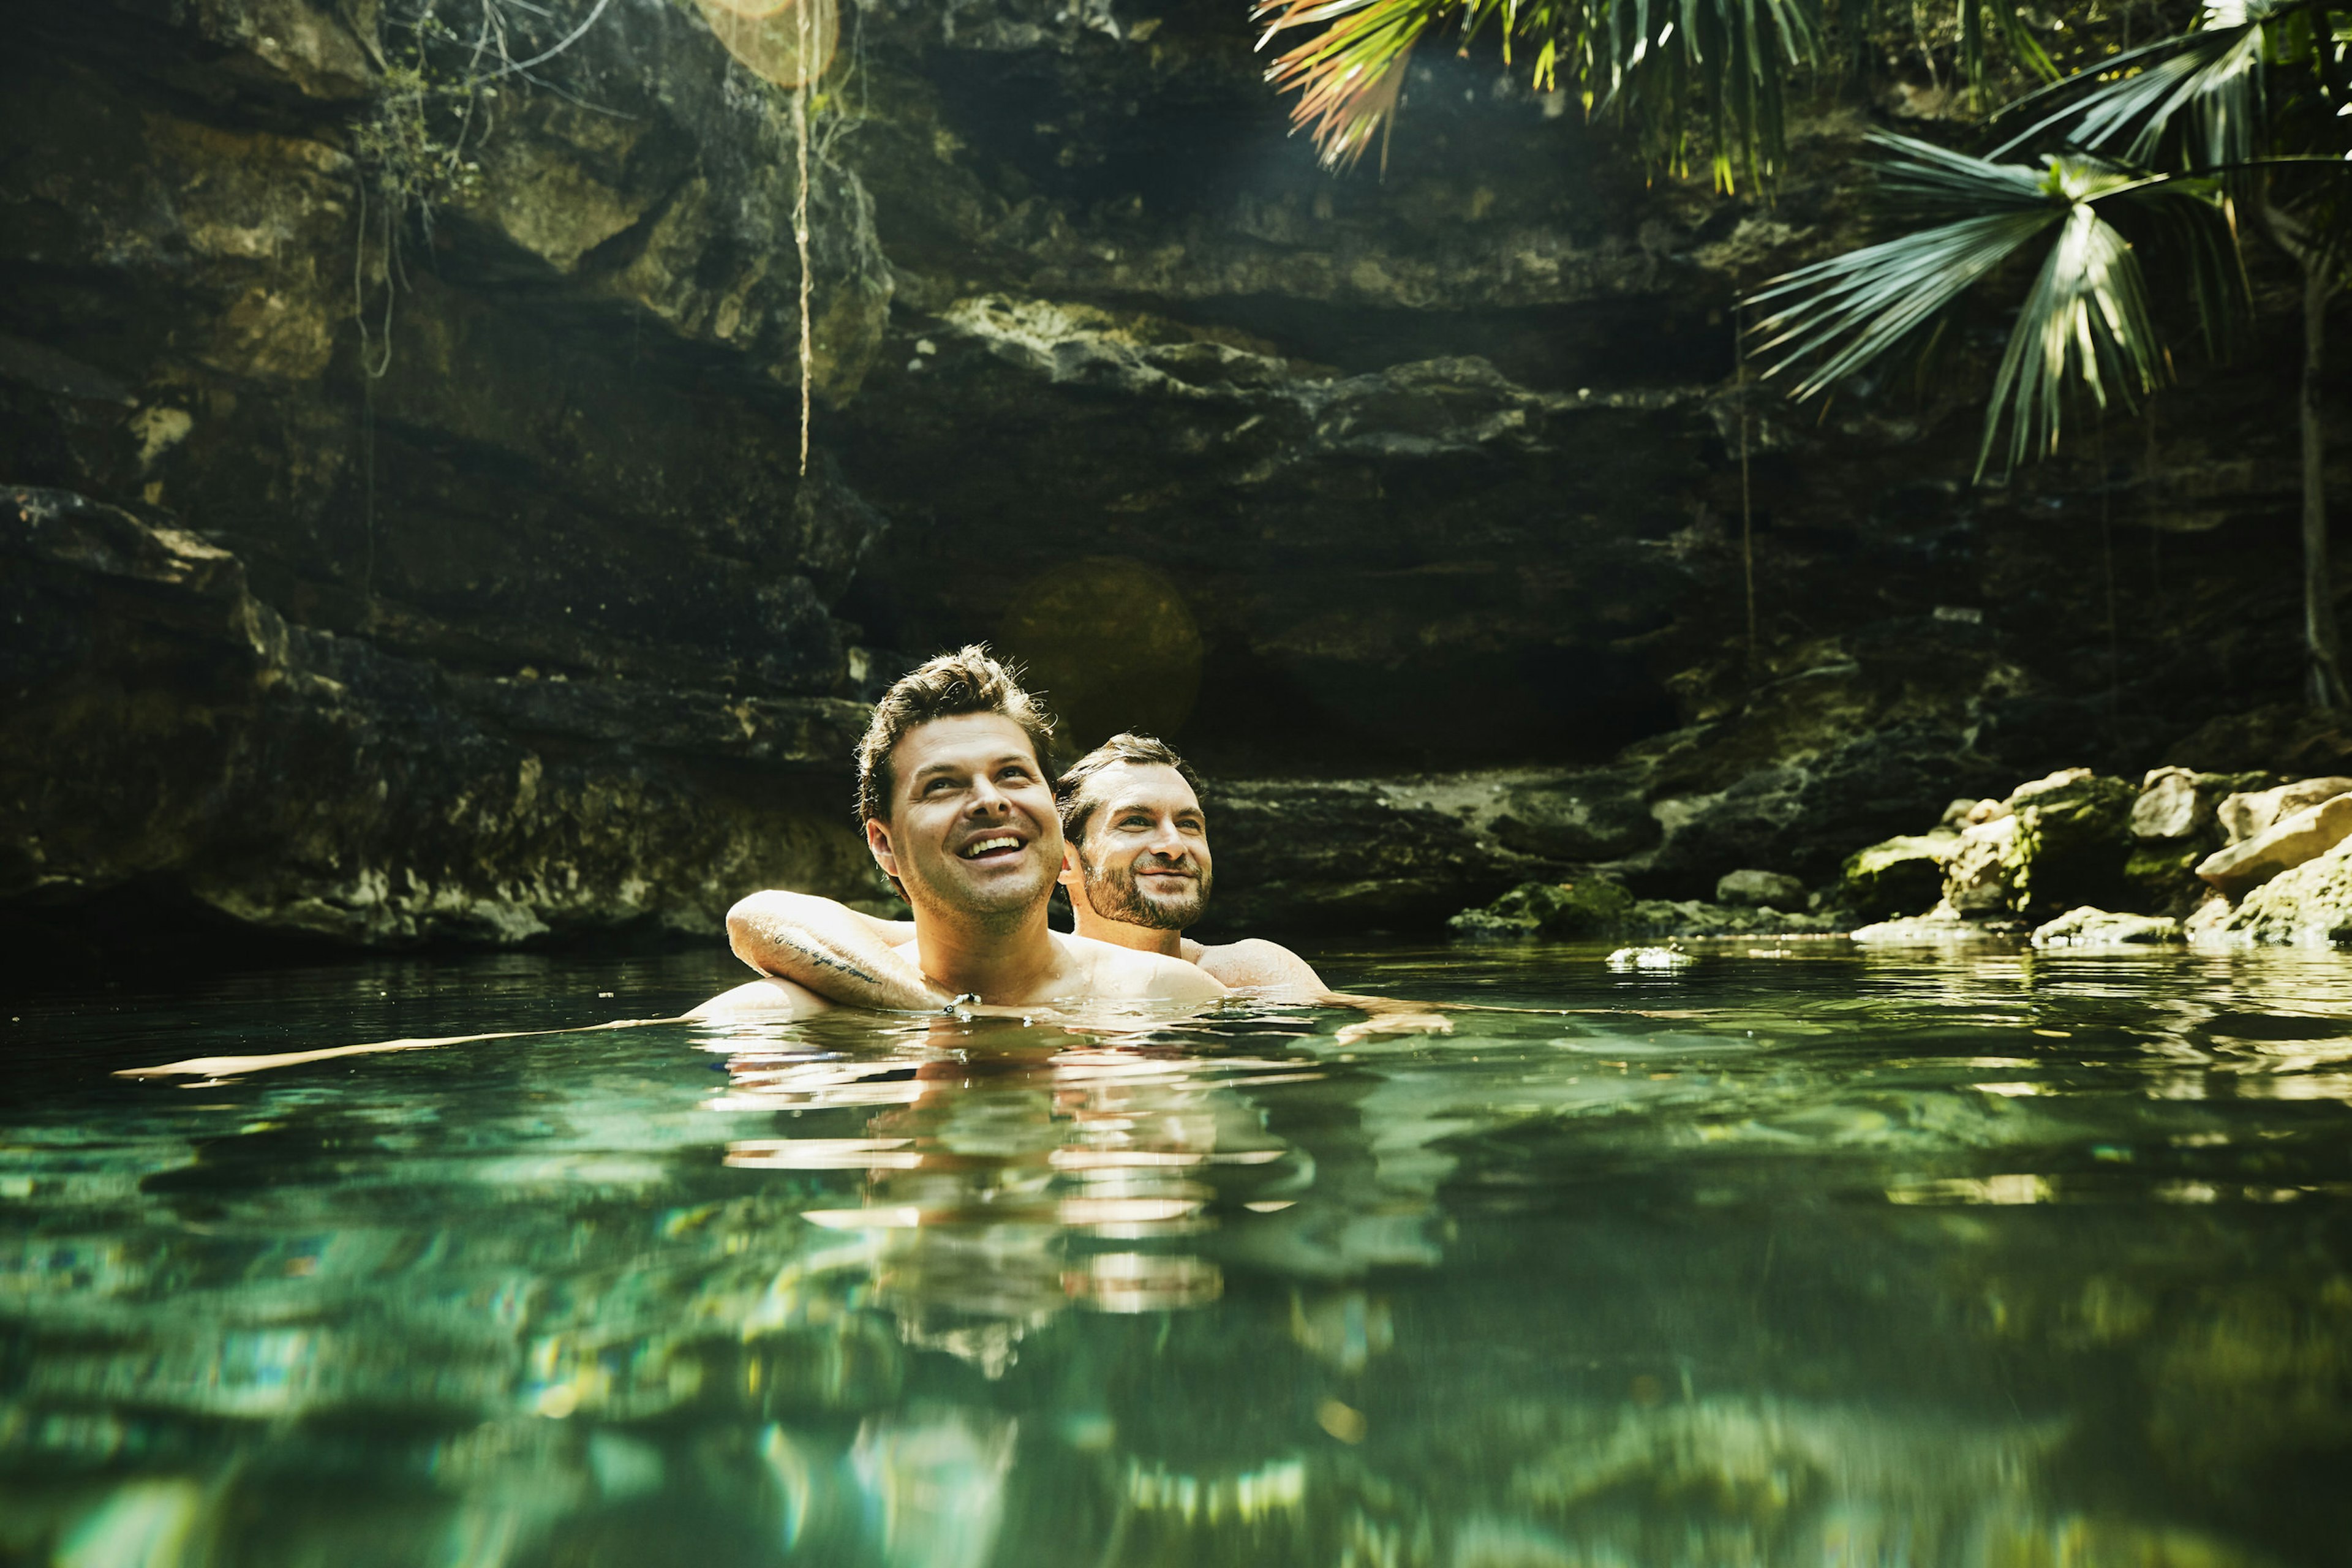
(1395, 1024)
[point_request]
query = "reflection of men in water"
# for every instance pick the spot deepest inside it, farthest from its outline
(1138, 869)
(960, 818)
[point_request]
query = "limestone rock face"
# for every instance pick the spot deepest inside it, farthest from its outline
(1438, 475)
(166, 730)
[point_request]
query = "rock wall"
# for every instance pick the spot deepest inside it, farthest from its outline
(1348, 484)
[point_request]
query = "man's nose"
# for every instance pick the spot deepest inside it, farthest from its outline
(987, 800)
(1166, 841)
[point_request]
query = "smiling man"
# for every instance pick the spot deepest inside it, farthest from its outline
(960, 816)
(1138, 872)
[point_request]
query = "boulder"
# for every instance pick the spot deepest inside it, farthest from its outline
(1760, 889)
(2162, 875)
(2306, 835)
(2309, 905)
(1591, 906)
(2254, 813)
(1980, 877)
(1896, 874)
(2176, 823)
(2072, 837)
(2180, 802)
(2088, 927)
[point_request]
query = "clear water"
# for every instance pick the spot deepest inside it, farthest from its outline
(1808, 1255)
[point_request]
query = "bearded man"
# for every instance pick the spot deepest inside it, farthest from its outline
(959, 814)
(1138, 869)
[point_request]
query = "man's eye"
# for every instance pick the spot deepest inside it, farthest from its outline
(938, 784)
(1136, 821)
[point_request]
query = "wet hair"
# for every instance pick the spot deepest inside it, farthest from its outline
(1070, 795)
(968, 680)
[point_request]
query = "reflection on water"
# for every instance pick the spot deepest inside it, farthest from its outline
(1794, 1256)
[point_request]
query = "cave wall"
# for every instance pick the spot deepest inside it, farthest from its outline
(1408, 500)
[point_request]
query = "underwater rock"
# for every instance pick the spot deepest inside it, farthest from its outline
(1934, 928)
(2290, 841)
(1897, 874)
(1627, 959)
(2088, 927)
(1760, 889)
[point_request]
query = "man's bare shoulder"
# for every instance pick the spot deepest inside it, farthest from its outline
(1260, 965)
(1121, 972)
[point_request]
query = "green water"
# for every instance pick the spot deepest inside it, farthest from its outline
(1804, 1255)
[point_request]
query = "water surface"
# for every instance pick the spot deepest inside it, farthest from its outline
(1798, 1255)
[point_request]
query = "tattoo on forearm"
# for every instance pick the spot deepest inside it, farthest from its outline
(824, 958)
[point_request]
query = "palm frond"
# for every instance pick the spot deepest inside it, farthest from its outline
(2212, 75)
(1662, 64)
(2085, 318)
(1349, 76)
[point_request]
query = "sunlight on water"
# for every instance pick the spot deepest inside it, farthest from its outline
(1798, 1255)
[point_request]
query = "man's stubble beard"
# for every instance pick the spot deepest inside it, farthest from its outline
(1004, 906)
(1112, 893)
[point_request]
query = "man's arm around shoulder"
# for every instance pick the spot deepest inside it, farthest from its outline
(769, 1001)
(1267, 968)
(832, 949)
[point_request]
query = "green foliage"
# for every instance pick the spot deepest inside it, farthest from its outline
(1677, 70)
(2085, 315)
(412, 141)
(2149, 157)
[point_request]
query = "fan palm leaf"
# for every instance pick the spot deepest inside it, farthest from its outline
(2207, 86)
(1661, 63)
(2085, 318)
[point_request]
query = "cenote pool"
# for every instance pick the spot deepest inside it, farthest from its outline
(1801, 1255)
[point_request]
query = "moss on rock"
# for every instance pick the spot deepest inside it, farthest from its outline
(1590, 906)
(1896, 875)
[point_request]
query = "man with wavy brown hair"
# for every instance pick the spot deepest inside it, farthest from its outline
(1138, 869)
(958, 812)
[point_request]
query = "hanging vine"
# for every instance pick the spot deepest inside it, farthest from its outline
(788, 43)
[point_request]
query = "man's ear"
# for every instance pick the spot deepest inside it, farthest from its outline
(878, 839)
(1068, 876)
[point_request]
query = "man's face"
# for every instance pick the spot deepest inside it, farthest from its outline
(973, 827)
(1144, 857)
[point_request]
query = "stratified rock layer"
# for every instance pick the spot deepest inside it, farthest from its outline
(1408, 475)
(163, 727)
